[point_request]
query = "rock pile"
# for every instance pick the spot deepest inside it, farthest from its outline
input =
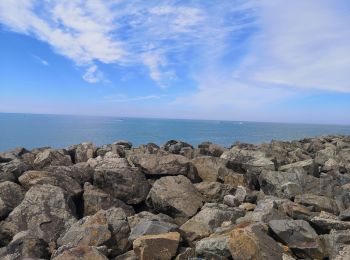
(281, 200)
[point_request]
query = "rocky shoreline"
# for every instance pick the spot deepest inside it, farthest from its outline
(281, 200)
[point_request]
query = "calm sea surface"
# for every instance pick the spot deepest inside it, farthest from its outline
(30, 131)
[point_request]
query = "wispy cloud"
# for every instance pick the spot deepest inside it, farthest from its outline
(93, 75)
(124, 98)
(41, 60)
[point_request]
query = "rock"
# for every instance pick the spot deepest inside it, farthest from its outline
(325, 221)
(317, 203)
(247, 206)
(46, 211)
(52, 157)
(148, 216)
(344, 254)
(25, 246)
(231, 201)
(130, 255)
(31, 178)
(89, 231)
(335, 241)
(80, 172)
(95, 199)
(11, 194)
(345, 215)
(252, 242)
(185, 253)
(211, 216)
(210, 149)
(299, 236)
(13, 154)
(157, 247)
(214, 191)
(308, 166)
(80, 253)
(214, 247)
(208, 167)
(170, 164)
(175, 196)
(152, 227)
(127, 184)
(175, 147)
(84, 152)
(109, 161)
(10, 171)
(232, 178)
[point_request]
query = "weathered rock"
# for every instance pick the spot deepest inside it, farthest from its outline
(46, 211)
(152, 227)
(175, 196)
(25, 246)
(344, 254)
(175, 147)
(317, 203)
(325, 221)
(11, 194)
(214, 247)
(31, 178)
(127, 184)
(247, 206)
(252, 242)
(96, 199)
(214, 191)
(84, 151)
(299, 236)
(232, 178)
(80, 172)
(109, 161)
(208, 167)
(79, 253)
(335, 241)
(10, 171)
(143, 216)
(89, 231)
(211, 216)
(345, 215)
(308, 166)
(157, 247)
(185, 253)
(52, 157)
(231, 201)
(170, 164)
(210, 149)
(130, 255)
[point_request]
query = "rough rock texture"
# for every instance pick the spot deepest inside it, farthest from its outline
(175, 196)
(157, 247)
(278, 200)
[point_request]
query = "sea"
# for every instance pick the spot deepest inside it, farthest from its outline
(59, 131)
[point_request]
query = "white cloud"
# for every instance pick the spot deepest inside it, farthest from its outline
(41, 60)
(93, 75)
(124, 98)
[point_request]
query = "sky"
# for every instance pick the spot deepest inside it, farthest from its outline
(251, 60)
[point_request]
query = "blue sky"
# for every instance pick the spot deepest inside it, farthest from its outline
(253, 60)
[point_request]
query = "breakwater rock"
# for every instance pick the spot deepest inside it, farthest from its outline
(280, 200)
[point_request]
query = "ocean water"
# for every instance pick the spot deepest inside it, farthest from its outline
(30, 131)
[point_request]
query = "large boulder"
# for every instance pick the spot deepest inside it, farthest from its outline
(158, 247)
(175, 147)
(317, 203)
(46, 211)
(214, 191)
(96, 199)
(210, 217)
(128, 184)
(31, 178)
(11, 194)
(299, 236)
(52, 157)
(175, 196)
(336, 241)
(252, 242)
(80, 172)
(208, 167)
(145, 216)
(308, 166)
(152, 227)
(83, 152)
(325, 221)
(10, 171)
(79, 253)
(214, 247)
(210, 149)
(169, 164)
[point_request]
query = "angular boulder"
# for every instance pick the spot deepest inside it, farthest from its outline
(175, 196)
(317, 203)
(214, 191)
(11, 194)
(52, 157)
(152, 227)
(208, 167)
(79, 253)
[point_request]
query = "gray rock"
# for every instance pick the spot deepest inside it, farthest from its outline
(317, 203)
(299, 236)
(208, 167)
(214, 247)
(344, 254)
(308, 166)
(130, 255)
(214, 191)
(152, 227)
(10, 171)
(326, 221)
(79, 253)
(96, 199)
(46, 211)
(175, 147)
(84, 151)
(210, 149)
(145, 216)
(80, 172)
(345, 215)
(336, 241)
(52, 157)
(11, 194)
(211, 216)
(127, 184)
(25, 246)
(31, 178)
(175, 196)
(231, 201)
(185, 253)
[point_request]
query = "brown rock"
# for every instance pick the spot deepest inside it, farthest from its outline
(80, 253)
(157, 247)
